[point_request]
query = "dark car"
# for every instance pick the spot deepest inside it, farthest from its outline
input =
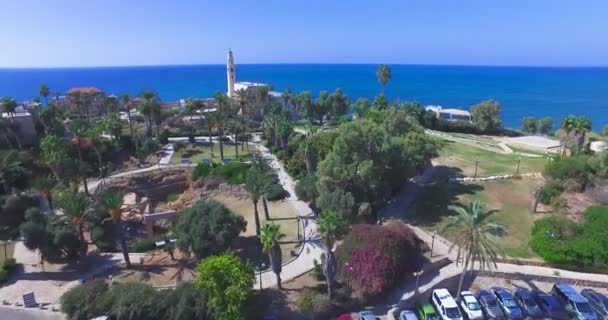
(507, 303)
(524, 299)
(598, 301)
(552, 307)
(489, 305)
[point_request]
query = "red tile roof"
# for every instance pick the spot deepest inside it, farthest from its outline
(84, 89)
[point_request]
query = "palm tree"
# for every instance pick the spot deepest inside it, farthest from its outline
(222, 111)
(235, 126)
(266, 173)
(54, 153)
(9, 106)
(77, 206)
(45, 185)
(383, 73)
(331, 226)
(112, 201)
(11, 170)
(270, 236)
(255, 185)
(474, 236)
(569, 124)
(79, 139)
(44, 92)
(242, 95)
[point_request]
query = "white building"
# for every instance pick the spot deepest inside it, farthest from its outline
(450, 114)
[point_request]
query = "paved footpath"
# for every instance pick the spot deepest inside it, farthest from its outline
(312, 247)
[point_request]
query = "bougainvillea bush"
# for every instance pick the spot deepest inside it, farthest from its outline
(373, 258)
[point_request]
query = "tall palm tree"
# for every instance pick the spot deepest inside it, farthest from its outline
(112, 201)
(242, 96)
(9, 106)
(255, 185)
(45, 185)
(383, 73)
(569, 124)
(262, 166)
(77, 207)
(221, 115)
(234, 127)
(270, 236)
(44, 92)
(80, 141)
(475, 236)
(331, 227)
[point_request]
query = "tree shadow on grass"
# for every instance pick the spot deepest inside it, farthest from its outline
(433, 199)
(248, 249)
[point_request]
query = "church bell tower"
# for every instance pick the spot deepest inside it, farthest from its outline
(230, 74)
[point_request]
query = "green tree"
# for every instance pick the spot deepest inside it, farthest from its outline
(474, 236)
(256, 186)
(380, 102)
(270, 237)
(9, 105)
(569, 124)
(112, 202)
(545, 125)
(112, 124)
(221, 117)
(86, 301)
(45, 185)
(338, 104)
(54, 153)
(208, 228)
(305, 105)
(322, 106)
(44, 92)
(486, 115)
(12, 170)
(267, 178)
(306, 190)
(228, 283)
(529, 125)
(383, 73)
(360, 106)
(331, 227)
(77, 207)
(53, 238)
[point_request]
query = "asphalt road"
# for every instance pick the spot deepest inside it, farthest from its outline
(28, 314)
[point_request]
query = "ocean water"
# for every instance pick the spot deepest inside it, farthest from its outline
(521, 91)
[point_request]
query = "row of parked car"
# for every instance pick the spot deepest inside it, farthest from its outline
(564, 302)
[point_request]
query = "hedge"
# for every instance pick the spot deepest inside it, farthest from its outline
(8, 267)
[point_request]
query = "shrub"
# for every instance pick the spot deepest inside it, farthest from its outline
(275, 192)
(10, 265)
(147, 244)
(551, 190)
(306, 189)
(171, 197)
(163, 137)
(560, 240)
(379, 255)
(202, 170)
(317, 271)
(576, 169)
(177, 146)
(3, 275)
(86, 301)
(296, 168)
(233, 172)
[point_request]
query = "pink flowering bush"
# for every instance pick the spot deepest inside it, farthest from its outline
(373, 258)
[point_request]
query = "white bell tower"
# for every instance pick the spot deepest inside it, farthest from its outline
(230, 74)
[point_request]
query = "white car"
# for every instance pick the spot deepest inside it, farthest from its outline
(445, 305)
(470, 306)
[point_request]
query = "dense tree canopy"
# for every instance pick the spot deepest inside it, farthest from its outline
(208, 228)
(229, 285)
(372, 158)
(486, 115)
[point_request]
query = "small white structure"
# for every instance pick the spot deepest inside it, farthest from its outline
(450, 114)
(23, 125)
(598, 146)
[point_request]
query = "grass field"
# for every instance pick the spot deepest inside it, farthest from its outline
(463, 157)
(510, 198)
(197, 153)
(9, 252)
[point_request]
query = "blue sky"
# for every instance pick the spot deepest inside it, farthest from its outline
(51, 33)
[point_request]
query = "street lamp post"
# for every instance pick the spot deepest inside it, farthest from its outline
(518, 163)
(261, 268)
(476, 165)
(433, 242)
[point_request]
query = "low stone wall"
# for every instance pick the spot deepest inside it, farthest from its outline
(494, 178)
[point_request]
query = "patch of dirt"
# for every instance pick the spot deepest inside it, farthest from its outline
(577, 203)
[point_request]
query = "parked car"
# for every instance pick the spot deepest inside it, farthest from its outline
(507, 304)
(368, 315)
(552, 307)
(470, 306)
(489, 305)
(576, 305)
(427, 312)
(598, 301)
(446, 305)
(407, 315)
(526, 302)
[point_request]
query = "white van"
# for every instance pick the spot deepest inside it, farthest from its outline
(446, 305)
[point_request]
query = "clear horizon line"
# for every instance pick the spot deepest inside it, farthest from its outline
(305, 63)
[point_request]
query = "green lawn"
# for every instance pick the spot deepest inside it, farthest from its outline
(461, 157)
(9, 251)
(197, 153)
(510, 198)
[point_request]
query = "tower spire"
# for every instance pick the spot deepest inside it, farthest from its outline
(230, 73)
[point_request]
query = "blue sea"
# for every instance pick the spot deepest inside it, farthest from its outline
(522, 91)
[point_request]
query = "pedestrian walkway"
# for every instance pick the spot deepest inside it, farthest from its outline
(312, 248)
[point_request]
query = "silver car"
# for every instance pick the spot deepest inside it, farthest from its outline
(489, 305)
